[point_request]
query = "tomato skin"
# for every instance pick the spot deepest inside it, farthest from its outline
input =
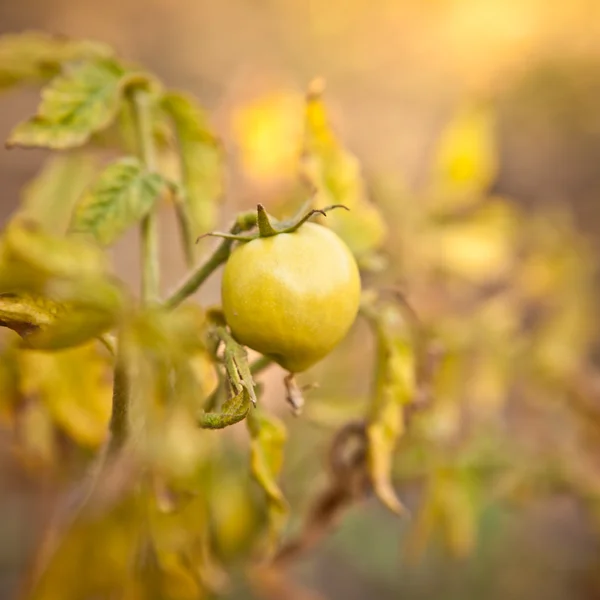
(292, 296)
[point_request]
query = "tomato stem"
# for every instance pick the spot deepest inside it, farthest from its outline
(265, 227)
(196, 278)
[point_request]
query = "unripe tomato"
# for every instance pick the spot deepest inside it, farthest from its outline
(292, 296)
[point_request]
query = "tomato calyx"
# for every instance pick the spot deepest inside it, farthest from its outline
(268, 226)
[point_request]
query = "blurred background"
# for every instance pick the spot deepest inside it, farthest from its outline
(396, 72)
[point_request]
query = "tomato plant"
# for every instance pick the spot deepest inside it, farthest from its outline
(138, 383)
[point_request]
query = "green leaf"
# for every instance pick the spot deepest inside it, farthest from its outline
(336, 175)
(35, 56)
(81, 101)
(267, 439)
(50, 198)
(233, 411)
(123, 195)
(201, 157)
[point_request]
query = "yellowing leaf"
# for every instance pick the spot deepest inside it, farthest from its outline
(465, 162)
(81, 101)
(93, 557)
(459, 517)
(336, 175)
(34, 55)
(480, 247)
(267, 439)
(36, 433)
(67, 314)
(123, 194)
(447, 508)
(50, 198)
(165, 392)
(75, 385)
(25, 313)
(394, 388)
(204, 370)
(54, 291)
(233, 513)
(94, 306)
(29, 253)
(269, 132)
(201, 157)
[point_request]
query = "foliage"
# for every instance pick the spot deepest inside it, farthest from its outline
(492, 321)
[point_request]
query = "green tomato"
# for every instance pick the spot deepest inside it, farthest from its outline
(292, 296)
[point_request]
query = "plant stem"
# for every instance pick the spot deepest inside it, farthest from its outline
(120, 411)
(149, 225)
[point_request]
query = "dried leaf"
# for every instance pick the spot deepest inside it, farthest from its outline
(83, 100)
(201, 157)
(123, 194)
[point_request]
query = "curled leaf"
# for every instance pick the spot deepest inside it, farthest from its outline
(267, 439)
(233, 411)
(394, 389)
(123, 195)
(335, 174)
